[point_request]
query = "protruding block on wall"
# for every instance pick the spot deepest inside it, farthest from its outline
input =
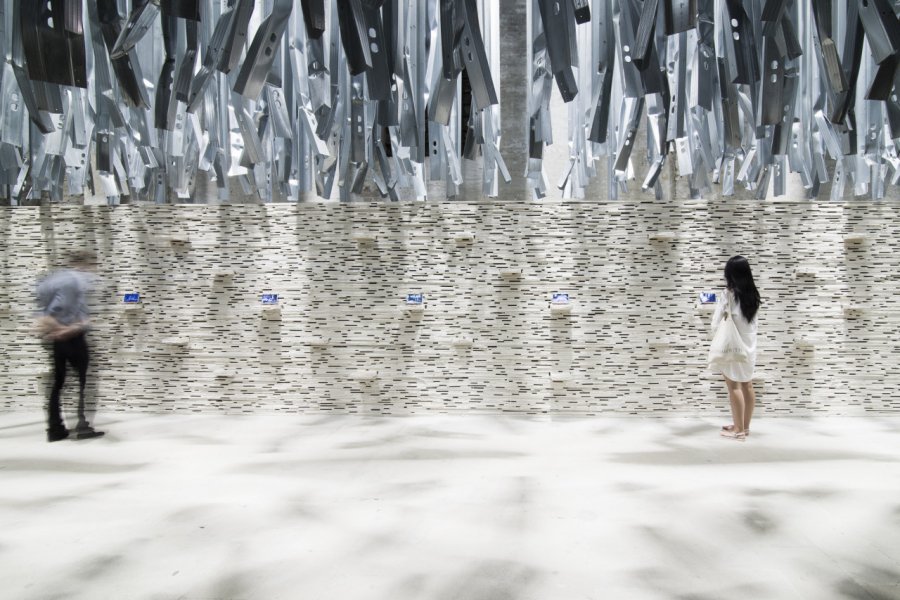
(269, 306)
(662, 236)
(364, 238)
(852, 310)
(462, 342)
(855, 237)
(221, 278)
(42, 379)
(178, 239)
(464, 237)
(415, 303)
(560, 376)
(270, 311)
(316, 342)
(132, 301)
(561, 303)
(510, 273)
(806, 271)
(807, 343)
(364, 376)
(176, 342)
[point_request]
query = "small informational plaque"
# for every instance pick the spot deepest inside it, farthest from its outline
(560, 298)
(269, 299)
(132, 298)
(415, 299)
(708, 298)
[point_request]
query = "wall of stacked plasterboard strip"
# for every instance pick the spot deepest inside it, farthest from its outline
(343, 339)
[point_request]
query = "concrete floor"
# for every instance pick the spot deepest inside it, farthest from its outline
(450, 507)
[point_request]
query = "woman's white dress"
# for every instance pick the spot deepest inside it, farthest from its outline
(743, 370)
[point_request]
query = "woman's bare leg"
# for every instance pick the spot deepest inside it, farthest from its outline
(749, 402)
(736, 398)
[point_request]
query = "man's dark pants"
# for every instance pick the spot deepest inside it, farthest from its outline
(73, 351)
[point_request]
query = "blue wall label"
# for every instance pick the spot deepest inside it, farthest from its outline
(707, 297)
(560, 298)
(133, 298)
(269, 299)
(415, 298)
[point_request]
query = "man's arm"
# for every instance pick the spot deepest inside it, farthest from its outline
(52, 330)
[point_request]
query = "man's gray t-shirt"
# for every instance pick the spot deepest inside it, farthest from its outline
(63, 296)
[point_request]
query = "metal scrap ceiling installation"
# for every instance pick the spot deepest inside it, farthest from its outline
(738, 93)
(318, 95)
(137, 98)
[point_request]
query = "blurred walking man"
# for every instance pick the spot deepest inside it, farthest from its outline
(63, 322)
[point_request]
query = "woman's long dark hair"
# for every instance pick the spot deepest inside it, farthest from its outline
(739, 280)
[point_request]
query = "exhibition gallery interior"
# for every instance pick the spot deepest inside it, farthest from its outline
(450, 300)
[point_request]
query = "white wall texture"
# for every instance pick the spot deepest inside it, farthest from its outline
(635, 341)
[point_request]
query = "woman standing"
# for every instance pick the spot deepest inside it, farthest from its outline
(741, 301)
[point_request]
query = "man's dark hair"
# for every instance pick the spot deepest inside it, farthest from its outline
(79, 258)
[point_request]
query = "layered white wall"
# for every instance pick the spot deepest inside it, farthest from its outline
(634, 342)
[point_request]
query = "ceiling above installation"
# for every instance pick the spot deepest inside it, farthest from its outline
(737, 93)
(318, 95)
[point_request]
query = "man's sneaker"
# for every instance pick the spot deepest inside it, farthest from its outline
(85, 432)
(55, 434)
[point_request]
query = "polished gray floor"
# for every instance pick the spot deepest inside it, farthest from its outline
(467, 507)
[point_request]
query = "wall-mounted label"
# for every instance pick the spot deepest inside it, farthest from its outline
(415, 298)
(133, 298)
(560, 298)
(269, 299)
(707, 297)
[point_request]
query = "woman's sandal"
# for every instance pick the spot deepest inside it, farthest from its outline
(731, 435)
(731, 428)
